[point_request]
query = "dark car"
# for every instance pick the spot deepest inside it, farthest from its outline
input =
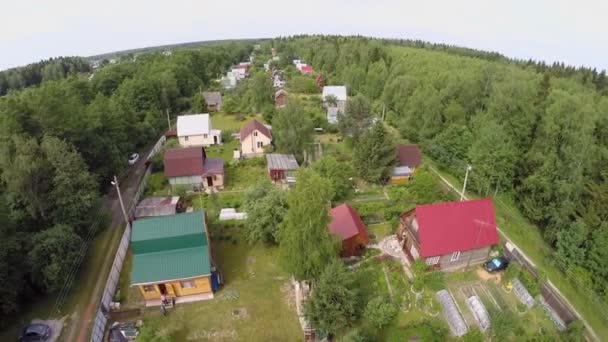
(496, 264)
(35, 332)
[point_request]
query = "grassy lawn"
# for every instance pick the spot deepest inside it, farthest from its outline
(379, 230)
(232, 122)
(527, 237)
(223, 151)
(255, 287)
(245, 174)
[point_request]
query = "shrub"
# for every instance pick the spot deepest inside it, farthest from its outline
(512, 271)
(531, 283)
(379, 312)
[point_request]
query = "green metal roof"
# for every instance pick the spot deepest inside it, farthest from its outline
(169, 248)
(170, 265)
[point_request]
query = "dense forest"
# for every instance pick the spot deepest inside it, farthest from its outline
(36, 73)
(534, 132)
(61, 142)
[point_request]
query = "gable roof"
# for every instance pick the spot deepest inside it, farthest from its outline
(252, 126)
(280, 92)
(306, 69)
(184, 161)
(194, 124)
(456, 227)
(346, 223)
(408, 155)
(212, 97)
(276, 161)
(169, 248)
(338, 91)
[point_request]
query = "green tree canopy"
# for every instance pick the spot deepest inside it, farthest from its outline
(266, 206)
(338, 174)
(374, 155)
(292, 130)
(305, 243)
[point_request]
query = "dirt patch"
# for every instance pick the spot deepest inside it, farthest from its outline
(55, 324)
(240, 313)
(289, 295)
(485, 276)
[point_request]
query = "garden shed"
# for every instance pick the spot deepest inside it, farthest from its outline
(282, 167)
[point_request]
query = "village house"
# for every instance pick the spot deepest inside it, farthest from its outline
(190, 168)
(158, 206)
(339, 94)
(254, 138)
(346, 224)
(196, 130)
(213, 99)
(449, 236)
(282, 168)
(280, 98)
(408, 160)
(240, 71)
(229, 81)
(172, 257)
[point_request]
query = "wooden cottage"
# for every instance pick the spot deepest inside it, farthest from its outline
(213, 100)
(408, 160)
(347, 225)
(282, 168)
(449, 236)
(280, 98)
(190, 168)
(172, 257)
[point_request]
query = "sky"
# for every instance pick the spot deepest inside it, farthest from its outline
(573, 32)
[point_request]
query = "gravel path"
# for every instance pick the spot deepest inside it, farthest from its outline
(390, 246)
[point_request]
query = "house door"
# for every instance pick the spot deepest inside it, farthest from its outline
(166, 289)
(162, 288)
(215, 140)
(209, 181)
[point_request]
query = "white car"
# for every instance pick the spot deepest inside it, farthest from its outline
(133, 159)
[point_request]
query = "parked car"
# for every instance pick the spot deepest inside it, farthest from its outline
(133, 159)
(496, 264)
(35, 332)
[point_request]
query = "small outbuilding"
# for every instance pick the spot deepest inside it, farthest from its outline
(280, 98)
(190, 168)
(282, 168)
(158, 206)
(213, 100)
(408, 160)
(347, 225)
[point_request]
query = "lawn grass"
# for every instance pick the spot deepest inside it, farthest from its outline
(529, 239)
(379, 230)
(244, 174)
(254, 285)
(224, 151)
(232, 122)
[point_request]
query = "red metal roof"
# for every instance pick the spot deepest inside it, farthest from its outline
(408, 155)
(252, 126)
(456, 227)
(306, 69)
(346, 223)
(184, 162)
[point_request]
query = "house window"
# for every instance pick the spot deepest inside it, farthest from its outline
(149, 288)
(432, 261)
(455, 256)
(204, 136)
(186, 138)
(188, 284)
(255, 133)
(260, 144)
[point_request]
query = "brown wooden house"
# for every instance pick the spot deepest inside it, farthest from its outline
(347, 225)
(449, 236)
(280, 98)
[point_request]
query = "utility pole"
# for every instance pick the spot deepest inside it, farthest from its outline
(168, 119)
(122, 205)
(466, 177)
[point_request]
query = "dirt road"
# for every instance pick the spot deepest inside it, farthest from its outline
(79, 329)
